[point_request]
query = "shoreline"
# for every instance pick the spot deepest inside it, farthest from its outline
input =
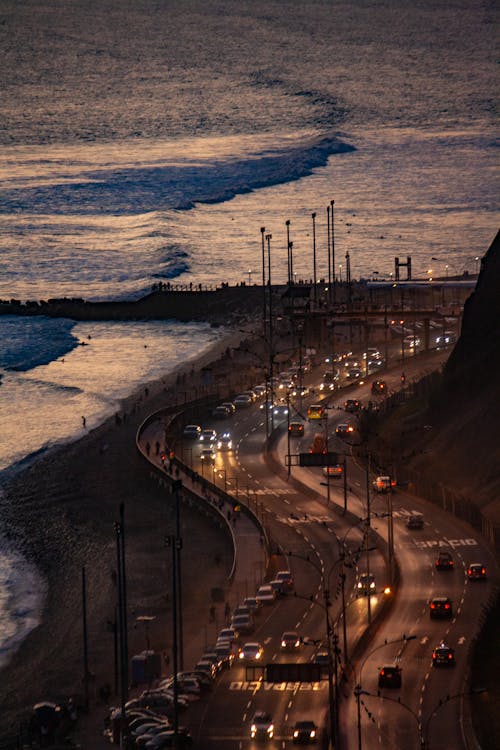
(58, 513)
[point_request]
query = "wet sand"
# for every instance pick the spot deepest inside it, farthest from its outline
(61, 513)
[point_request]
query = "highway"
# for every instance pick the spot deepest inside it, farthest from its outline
(310, 535)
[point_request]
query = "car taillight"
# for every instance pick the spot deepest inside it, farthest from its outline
(433, 606)
(450, 656)
(382, 673)
(446, 606)
(483, 571)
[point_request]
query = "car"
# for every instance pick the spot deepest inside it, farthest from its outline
(266, 594)
(208, 436)
(322, 658)
(229, 634)
(304, 732)
(279, 587)
(366, 584)
(329, 380)
(448, 337)
(440, 606)
(383, 484)
(206, 682)
(290, 641)
(260, 390)
(149, 727)
(191, 432)
(187, 685)
(243, 400)
(224, 442)
(262, 726)
(229, 406)
(242, 609)
(296, 429)
(251, 652)
(316, 411)
(443, 656)
(355, 373)
(213, 657)
(476, 572)
(352, 405)
(208, 456)
(253, 604)
(242, 623)
(415, 521)
(389, 677)
(379, 388)
(411, 342)
(207, 667)
(444, 561)
(336, 471)
(285, 576)
(225, 652)
(343, 429)
(221, 412)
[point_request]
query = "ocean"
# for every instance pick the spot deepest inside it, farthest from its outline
(150, 141)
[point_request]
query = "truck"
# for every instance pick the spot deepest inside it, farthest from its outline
(318, 444)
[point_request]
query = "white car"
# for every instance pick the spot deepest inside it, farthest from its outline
(243, 400)
(192, 432)
(266, 594)
(208, 436)
(251, 652)
(224, 442)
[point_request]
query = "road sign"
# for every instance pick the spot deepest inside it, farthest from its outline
(297, 672)
(318, 459)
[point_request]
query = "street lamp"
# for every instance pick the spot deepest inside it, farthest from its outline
(262, 231)
(315, 293)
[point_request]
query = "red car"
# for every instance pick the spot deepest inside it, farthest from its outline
(444, 561)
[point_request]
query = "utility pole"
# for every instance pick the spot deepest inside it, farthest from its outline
(367, 536)
(176, 489)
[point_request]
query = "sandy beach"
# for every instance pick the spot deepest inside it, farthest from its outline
(60, 514)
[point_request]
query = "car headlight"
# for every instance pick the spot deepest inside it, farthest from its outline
(241, 655)
(312, 733)
(270, 730)
(295, 734)
(360, 585)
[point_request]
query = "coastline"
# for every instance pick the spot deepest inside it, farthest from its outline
(59, 513)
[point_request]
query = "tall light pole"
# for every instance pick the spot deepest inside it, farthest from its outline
(332, 204)
(268, 240)
(262, 231)
(329, 256)
(315, 291)
(289, 265)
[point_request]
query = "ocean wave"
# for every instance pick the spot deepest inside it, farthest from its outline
(131, 190)
(32, 341)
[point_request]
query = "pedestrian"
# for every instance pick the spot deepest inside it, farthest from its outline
(84, 422)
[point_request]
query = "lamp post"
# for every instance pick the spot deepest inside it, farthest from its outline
(332, 205)
(358, 692)
(315, 291)
(262, 231)
(289, 266)
(268, 240)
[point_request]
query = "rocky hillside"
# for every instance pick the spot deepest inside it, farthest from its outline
(463, 447)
